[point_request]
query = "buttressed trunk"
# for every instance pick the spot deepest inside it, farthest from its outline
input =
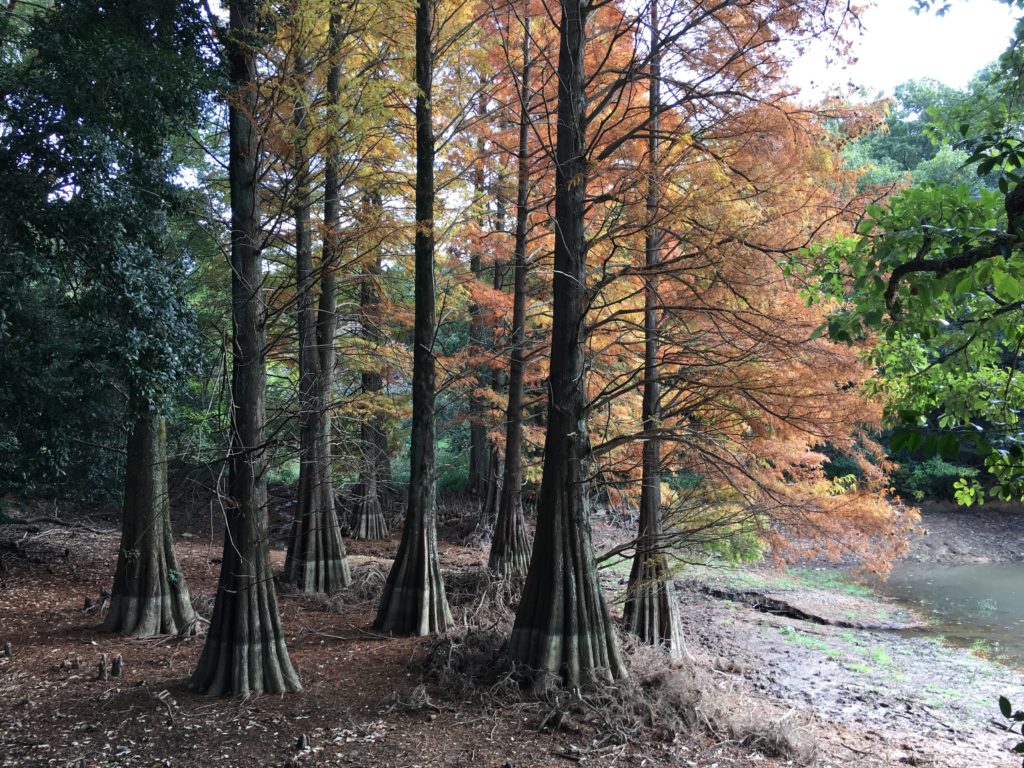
(651, 611)
(150, 596)
(562, 629)
(414, 601)
(369, 513)
(510, 547)
(316, 561)
(245, 649)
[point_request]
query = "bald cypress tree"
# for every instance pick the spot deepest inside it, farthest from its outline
(316, 561)
(375, 464)
(562, 629)
(89, 112)
(510, 548)
(651, 611)
(150, 596)
(414, 601)
(245, 649)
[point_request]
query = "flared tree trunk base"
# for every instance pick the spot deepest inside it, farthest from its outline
(563, 633)
(510, 546)
(316, 562)
(161, 608)
(651, 611)
(245, 649)
(150, 596)
(414, 600)
(369, 520)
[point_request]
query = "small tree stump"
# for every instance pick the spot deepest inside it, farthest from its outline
(102, 668)
(117, 667)
(7, 649)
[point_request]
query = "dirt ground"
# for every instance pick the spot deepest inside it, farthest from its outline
(362, 704)
(954, 535)
(895, 695)
(847, 690)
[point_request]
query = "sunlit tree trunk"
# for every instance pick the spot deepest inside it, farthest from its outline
(316, 561)
(150, 596)
(510, 551)
(562, 629)
(245, 648)
(651, 611)
(414, 601)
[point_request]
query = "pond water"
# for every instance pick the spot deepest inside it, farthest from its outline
(972, 606)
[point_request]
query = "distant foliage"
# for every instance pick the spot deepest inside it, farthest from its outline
(932, 478)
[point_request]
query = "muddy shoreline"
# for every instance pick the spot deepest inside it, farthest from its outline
(880, 696)
(952, 535)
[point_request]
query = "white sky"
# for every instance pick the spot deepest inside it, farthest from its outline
(899, 45)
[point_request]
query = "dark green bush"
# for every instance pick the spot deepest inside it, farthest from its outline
(929, 479)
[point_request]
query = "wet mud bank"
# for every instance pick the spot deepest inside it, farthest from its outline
(863, 666)
(953, 535)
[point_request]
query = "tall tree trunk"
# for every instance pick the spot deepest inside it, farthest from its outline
(316, 561)
(369, 513)
(493, 478)
(651, 611)
(150, 596)
(562, 627)
(479, 454)
(414, 601)
(245, 649)
(510, 546)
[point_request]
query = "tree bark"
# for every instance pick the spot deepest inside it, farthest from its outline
(510, 550)
(651, 610)
(562, 629)
(245, 648)
(494, 476)
(479, 453)
(414, 601)
(316, 562)
(150, 596)
(369, 513)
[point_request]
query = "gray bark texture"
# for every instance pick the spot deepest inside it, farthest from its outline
(150, 596)
(651, 611)
(510, 546)
(562, 630)
(245, 649)
(316, 561)
(414, 600)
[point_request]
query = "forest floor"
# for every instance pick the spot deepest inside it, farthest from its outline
(761, 683)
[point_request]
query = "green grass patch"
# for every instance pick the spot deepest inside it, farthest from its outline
(809, 641)
(825, 579)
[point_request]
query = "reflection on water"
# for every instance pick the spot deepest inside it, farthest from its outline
(973, 606)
